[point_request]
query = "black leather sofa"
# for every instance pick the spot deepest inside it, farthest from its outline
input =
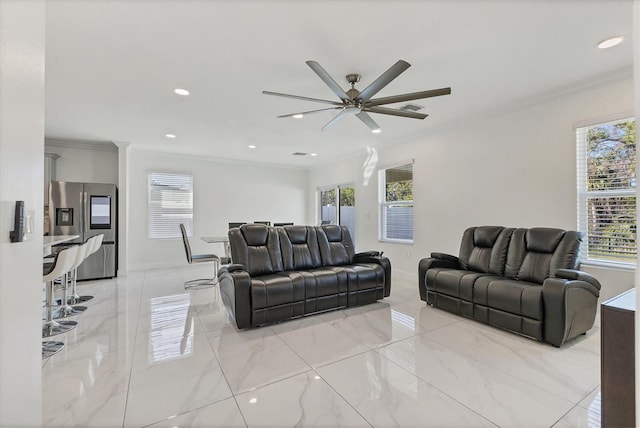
(522, 280)
(287, 272)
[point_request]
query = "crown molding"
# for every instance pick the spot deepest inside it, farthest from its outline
(106, 146)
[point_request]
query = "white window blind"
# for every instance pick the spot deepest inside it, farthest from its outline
(396, 203)
(170, 203)
(606, 178)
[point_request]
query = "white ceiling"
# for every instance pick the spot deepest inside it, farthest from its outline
(111, 67)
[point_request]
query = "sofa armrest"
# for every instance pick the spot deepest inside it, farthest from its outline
(443, 256)
(377, 258)
(235, 290)
(570, 306)
(369, 254)
(230, 268)
(578, 275)
(439, 260)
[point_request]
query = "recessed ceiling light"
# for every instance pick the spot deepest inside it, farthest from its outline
(298, 116)
(181, 91)
(170, 136)
(314, 154)
(610, 42)
(252, 146)
(376, 131)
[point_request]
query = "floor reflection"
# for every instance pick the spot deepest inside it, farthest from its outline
(171, 326)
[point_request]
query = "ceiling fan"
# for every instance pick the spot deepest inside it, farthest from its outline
(360, 103)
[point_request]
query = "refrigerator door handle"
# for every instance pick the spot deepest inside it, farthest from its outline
(86, 212)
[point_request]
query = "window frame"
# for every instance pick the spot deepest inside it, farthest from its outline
(583, 194)
(383, 203)
(187, 219)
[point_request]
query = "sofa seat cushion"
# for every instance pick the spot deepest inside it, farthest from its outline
(362, 276)
(274, 290)
(453, 282)
(516, 297)
(318, 282)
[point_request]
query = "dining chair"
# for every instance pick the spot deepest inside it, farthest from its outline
(199, 258)
(266, 223)
(235, 224)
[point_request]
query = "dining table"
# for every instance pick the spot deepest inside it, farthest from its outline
(51, 240)
(222, 239)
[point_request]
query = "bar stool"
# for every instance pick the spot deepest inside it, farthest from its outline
(92, 244)
(62, 263)
(65, 309)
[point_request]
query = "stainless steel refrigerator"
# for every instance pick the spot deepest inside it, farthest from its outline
(87, 209)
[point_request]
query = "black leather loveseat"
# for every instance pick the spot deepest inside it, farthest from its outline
(291, 271)
(523, 280)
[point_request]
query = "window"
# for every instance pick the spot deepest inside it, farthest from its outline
(606, 171)
(396, 203)
(170, 203)
(338, 206)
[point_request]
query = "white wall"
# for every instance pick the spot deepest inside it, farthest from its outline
(223, 192)
(22, 28)
(515, 168)
(85, 162)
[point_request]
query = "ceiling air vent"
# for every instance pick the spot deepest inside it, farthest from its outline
(299, 154)
(410, 107)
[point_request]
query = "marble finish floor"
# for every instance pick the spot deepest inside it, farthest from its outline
(147, 353)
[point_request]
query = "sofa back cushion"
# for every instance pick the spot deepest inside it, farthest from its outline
(257, 248)
(535, 254)
(299, 246)
(484, 249)
(336, 247)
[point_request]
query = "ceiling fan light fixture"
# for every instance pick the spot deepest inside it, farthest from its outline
(170, 135)
(298, 116)
(251, 146)
(376, 131)
(181, 91)
(313, 154)
(610, 42)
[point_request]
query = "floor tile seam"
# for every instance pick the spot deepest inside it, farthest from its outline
(226, 379)
(195, 409)
(436, 388)
(133, 354)
(331, 362)
(493, 332)
(586, 395)
(78, 358)
(503, 372)
(345, 400)
(286, 377)
(564, 415)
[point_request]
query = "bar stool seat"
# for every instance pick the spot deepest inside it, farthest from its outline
(93, 244)
(65, 309)
(61, 266)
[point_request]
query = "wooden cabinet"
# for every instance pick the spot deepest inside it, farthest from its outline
(617, 356)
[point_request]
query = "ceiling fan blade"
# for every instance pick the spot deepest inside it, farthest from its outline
(333, 121)
(328, 80)
(366, 119)
(408, 97)
(382, 81)
(310, 111)
(394, 112)
(298, 97)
